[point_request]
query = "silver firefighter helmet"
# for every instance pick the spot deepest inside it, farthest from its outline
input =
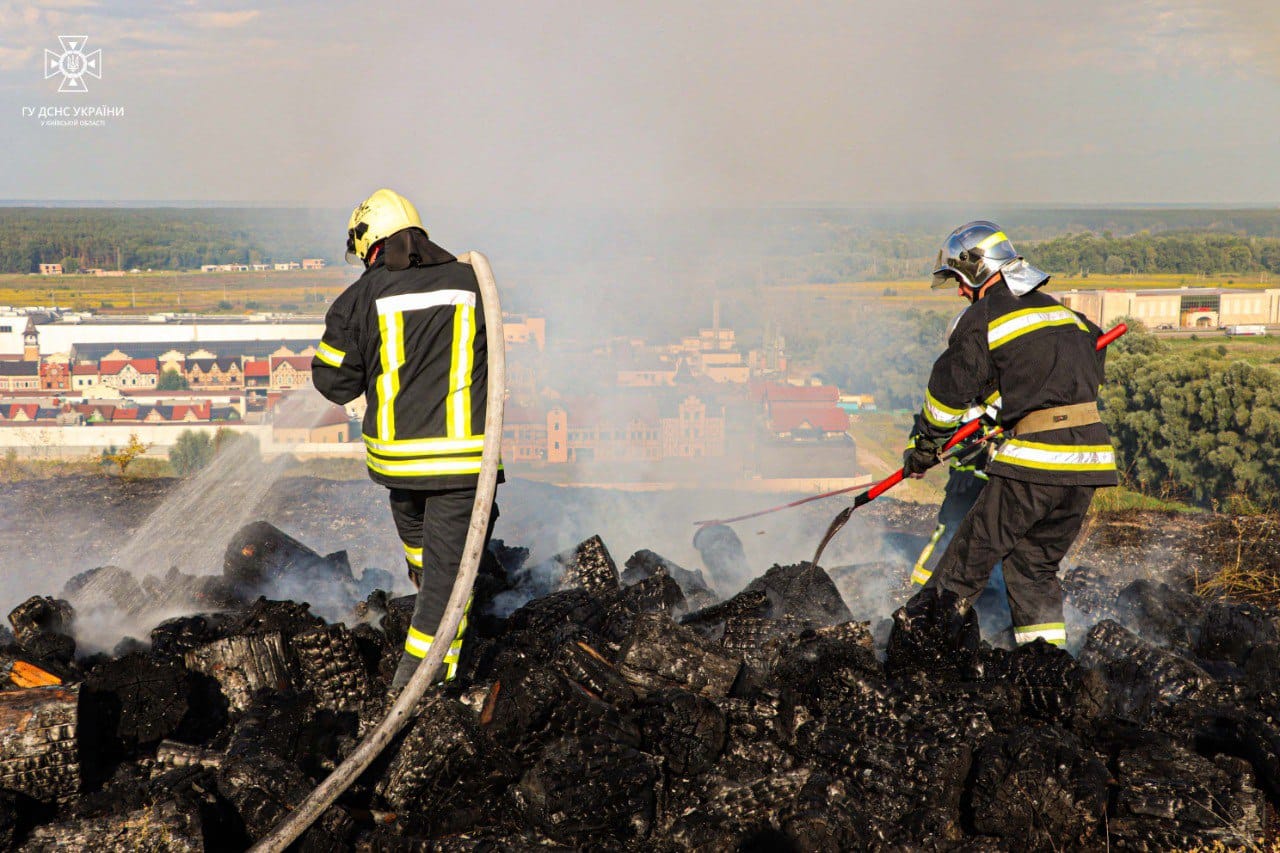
(975, 252)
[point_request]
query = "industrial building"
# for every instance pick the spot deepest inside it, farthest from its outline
(1178, 308)
(73, 331)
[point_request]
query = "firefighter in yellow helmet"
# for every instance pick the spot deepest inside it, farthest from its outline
(409, 334)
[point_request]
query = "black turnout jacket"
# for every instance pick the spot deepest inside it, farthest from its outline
(412, 340)
(1037, 354)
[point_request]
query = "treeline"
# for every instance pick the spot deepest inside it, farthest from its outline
(1156, 253)
(888, 354)
(162, 238)
(1199, 428)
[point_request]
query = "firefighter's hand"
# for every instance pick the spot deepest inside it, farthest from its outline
(920, 458)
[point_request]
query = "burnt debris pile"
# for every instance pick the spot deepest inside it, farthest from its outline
(634, 709)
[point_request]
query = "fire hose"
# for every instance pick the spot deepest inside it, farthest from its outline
(402, 710)
(960, 435)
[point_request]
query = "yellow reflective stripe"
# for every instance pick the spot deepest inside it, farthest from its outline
(425, 446)
(392, 355)
(1012, 326)
(938, 413)
(920, 575)
(413, 555)
(988, 242)
(417, 643)
(1051, 632)
(1057, 457)
(993, 399)
(331, 356)
(458, 403)
(423, 467)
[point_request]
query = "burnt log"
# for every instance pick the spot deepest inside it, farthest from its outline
(581, 663)
(583, 791)
(935, 635)
(1168, 797)
(261, 559)
(662, 654)
(1053, 686)
(687, 730)
(243, 665)
(1139, 674)
(134, 700)
(41, 615)
(709, 621)
(446, 772)
(588, 566)
(173, 754)
(1230, 632)
(263, 788)
(173, 825)
(803, 591)
(1040, 789)
(530, 705)
(39, 748)
(693, 586)
(332, 668)
(1169, 616)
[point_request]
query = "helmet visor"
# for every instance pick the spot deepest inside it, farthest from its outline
(352, 258)
(946, 277)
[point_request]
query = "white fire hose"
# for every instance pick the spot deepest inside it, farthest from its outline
(401, 712)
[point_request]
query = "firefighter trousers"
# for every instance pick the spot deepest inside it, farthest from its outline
(433, 532)
(1030, 527)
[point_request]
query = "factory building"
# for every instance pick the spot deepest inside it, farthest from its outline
(1178, 308)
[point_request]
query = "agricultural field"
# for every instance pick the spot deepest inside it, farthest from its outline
(916, 292)
(220, 292)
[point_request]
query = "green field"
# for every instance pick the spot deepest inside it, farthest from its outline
(213, 292)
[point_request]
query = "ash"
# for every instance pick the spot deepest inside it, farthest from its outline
(635, 711)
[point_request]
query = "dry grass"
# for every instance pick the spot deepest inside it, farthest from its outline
(1246, 550)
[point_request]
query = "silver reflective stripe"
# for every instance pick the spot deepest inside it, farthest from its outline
(1057, 457)
(1019, 323)
(425, 446)
(330, 355)
(940, 414)
(417, 301)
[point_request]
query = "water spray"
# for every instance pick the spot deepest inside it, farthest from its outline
(402, 711)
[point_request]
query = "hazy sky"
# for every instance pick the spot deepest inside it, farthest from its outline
(657, 103)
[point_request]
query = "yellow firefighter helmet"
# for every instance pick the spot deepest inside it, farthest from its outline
(377, 218)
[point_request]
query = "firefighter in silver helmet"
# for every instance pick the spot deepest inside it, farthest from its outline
(1041, 359)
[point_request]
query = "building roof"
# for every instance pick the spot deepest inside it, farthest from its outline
(12, 410)
(226, 349)
(824, 418)
(19, 368)
(224, 363)
(308, 417)
(85, 370)
(142, 365)
(778, 392)
(257, 367)
(299, 362)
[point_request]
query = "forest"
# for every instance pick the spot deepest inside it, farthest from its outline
(783, 245)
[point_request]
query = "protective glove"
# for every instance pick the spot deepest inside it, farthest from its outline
(920, 456)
